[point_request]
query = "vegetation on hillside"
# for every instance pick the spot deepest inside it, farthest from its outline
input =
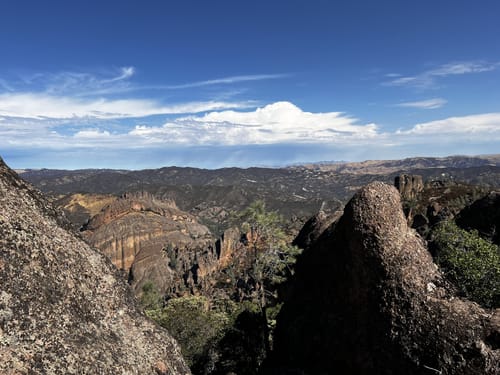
(470, 262)
(220, 335)
(271, 254)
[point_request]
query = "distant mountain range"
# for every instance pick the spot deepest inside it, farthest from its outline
(390, 166)
(297, 191)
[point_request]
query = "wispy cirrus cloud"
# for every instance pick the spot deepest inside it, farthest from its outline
(5, 86)
(429, 78)
(126, 72)
(41, 105)
(227, 80)
(107, 95)
(424, 104)
(117, 81)
(486, 125)
(72, 83)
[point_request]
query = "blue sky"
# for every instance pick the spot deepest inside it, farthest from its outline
(141, 84)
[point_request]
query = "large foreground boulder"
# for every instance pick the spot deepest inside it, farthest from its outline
(368, 299)
(63, 308)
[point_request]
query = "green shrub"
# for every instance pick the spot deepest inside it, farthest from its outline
(217, 336)
(150, 298)
(470, 262)
(194, 325)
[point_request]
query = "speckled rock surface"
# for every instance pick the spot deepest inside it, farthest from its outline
(368, 299)
(63, 308)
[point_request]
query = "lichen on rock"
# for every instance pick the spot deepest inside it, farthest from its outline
(368, 299)
(63, 307)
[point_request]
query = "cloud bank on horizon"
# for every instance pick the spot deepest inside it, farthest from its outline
(96, 122)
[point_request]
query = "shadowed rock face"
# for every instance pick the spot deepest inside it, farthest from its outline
(368, 299)
(63, 309)
(314, 228)
(484, 216)
(409, 185)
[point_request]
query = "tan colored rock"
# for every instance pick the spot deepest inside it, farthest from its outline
(136, 221)
(229, 243)
(79, 208)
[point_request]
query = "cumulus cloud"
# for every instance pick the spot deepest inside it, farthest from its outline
(40, 105)
(247, 136)
(273, 124)
(281, 122)
(428, 79)
(424, 104)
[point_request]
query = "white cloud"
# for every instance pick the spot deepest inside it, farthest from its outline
(273, 129)
(486, 125)
(39, 105)
(92, 134)
(126, 72)
(281, 122)
(116, 81)
(278, 123)
(463, 68)
(76, 83)
(424, 104)
(227, 80)
(428, 78)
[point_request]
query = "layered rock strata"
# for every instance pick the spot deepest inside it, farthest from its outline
(153, 241)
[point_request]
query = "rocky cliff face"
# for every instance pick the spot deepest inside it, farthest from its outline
(63, 309)
(79, 208)
(409, 185)
(368, 299)
(152, 240)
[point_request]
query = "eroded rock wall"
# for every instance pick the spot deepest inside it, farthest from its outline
(409, 185)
